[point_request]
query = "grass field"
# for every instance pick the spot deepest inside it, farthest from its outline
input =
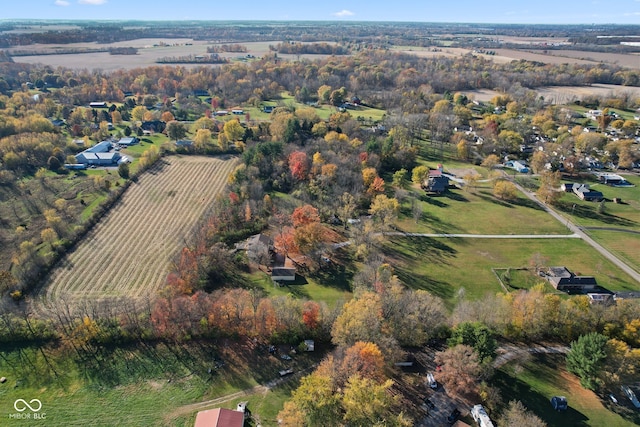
(478, 212)
(129, 251)
(535, 382)
(444, 265)
(144, 385)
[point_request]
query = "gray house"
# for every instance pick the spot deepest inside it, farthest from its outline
(587, 194)
(564, 280)
(436, 183)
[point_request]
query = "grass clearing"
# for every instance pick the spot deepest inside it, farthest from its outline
(536, 381)
(444, 265)
(478, 212)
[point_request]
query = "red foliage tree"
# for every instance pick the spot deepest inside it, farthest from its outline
(304, 215)
(311, 314)
(299, 165)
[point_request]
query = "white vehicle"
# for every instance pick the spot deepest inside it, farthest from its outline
(480, 416)
(631, 395)
(432, 381)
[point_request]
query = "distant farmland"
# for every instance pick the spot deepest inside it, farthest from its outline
(128, 253)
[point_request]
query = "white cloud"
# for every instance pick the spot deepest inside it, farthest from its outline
(343, 13)
(62, 3)
(93, 2)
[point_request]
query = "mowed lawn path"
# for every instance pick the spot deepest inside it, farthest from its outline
(129, 251)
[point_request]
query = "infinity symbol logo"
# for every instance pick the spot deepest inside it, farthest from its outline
(21, 405)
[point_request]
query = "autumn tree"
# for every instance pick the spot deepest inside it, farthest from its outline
(549, 190)
(490, 161)
(202, 139)
(384, 210)
(505, 190)
(367, 403)
(304, 215)
(516, 415)
(233, 130)
(460, 369)
(363, 359)
(299, 165)
(419, 174)
(360, 320)
(315, 402)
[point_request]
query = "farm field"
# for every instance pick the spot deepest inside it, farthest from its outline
(149, 50)
(129, 250)
(444, 265)
(562, 94)
(542, 377)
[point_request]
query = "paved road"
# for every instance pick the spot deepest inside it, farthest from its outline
(577, 230)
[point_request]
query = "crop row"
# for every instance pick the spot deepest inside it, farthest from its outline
(129, 251)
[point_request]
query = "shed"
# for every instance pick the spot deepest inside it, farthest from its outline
(127, 142)
(309, 345)
(284, 274)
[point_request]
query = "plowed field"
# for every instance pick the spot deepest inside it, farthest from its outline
(129, 251)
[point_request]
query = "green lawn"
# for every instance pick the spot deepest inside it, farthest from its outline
(444, 265)
(478, 212)
(535, 382)
(619, 220)
(331, 287)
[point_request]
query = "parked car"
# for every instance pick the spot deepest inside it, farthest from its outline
(631, 395)
(285, 357)
(559, 403)
(432, 381)
(453, 416)
(613, 398)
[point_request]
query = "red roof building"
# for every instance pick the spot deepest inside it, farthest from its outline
(219, 417)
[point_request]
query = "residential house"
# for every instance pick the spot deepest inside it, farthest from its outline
(153, 126)
(219, 417)
(436, 182)
(567, 187)
(564, 280)
(268, 108)
(587, 194)
(613, 179)
(518, 165)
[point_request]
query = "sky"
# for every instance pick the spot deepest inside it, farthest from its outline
(473, 11)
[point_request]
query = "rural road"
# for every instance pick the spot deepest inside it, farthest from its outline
(580, 232)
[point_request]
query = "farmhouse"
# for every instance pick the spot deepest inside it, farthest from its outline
(437, 182)
(219, 417)
(564, 280)
(587, 194)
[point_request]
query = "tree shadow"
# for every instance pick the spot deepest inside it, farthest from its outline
(432, 200)
(455, 196)
(591, 212)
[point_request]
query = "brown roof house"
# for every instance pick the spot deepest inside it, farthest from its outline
(219, 417)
